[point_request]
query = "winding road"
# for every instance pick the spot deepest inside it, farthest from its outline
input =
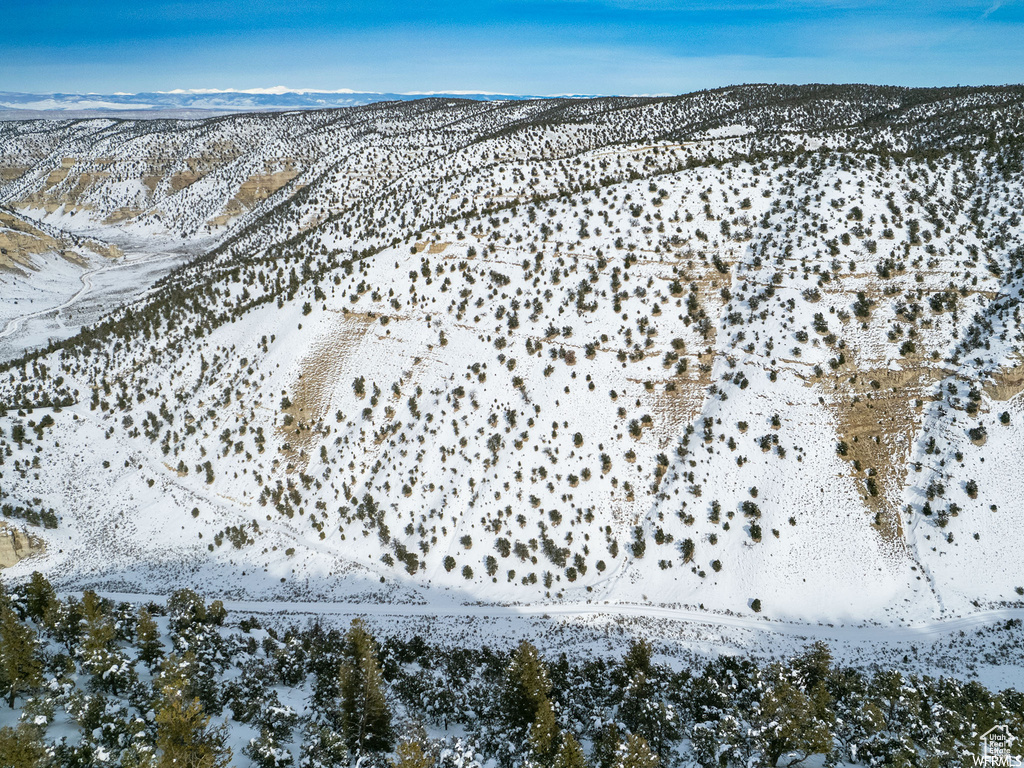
(864, 632)
(87, 286)
(447, 607)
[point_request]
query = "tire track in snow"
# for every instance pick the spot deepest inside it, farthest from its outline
(450, 607)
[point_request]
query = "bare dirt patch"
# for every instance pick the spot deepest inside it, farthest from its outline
(253, 191)
(878, 420)
(12, 172)
(319, 372)
(1006, 383)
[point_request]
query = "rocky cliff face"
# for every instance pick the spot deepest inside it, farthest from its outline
(16, 544)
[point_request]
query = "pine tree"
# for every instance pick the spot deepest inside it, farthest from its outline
(606, 746)
(92, 605)
(99, 635)
(813, 666)
(322, 747)
(526, 686)
(543, 736)
(644, 712)
(39, 596)
(184, 736)
(275, 718)
(147, 638)
(790, 720)
(410, 754)
(266, 751)
(185, 608)
(570, 754)
(365, 716)
(18, 433)
(20, 666)
(636, 754)
(637, 659)
(195, 678)
(183, 673)
(642, 708)
(139, 755)
(64, 622)
(21, 747)
(108, 664)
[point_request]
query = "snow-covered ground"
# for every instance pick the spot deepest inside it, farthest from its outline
(478, 360)
(63, 297)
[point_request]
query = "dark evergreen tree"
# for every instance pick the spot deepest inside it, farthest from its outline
(21, 747)
(21, 669)
(184, 736)
(147, 638)
(39, 596)
(526, 687)
(570, 754)
(365, 716)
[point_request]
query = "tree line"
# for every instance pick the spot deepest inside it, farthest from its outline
(180, 684)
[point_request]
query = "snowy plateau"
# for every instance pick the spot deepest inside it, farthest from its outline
(735, 370)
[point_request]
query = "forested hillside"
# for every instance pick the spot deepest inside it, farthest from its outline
(184, 683)
(747, 351)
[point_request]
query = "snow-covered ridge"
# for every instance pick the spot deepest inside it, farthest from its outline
(745, 345)
(14, 105)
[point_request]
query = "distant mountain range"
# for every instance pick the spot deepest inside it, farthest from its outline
(205, 102)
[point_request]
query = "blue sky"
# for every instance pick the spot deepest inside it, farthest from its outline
(522, 46)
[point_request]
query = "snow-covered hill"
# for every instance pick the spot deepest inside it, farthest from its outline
(758, 344)
(202, 102)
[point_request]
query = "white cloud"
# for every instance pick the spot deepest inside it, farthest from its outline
(277, 90)
(66, 104)
(993, 8)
